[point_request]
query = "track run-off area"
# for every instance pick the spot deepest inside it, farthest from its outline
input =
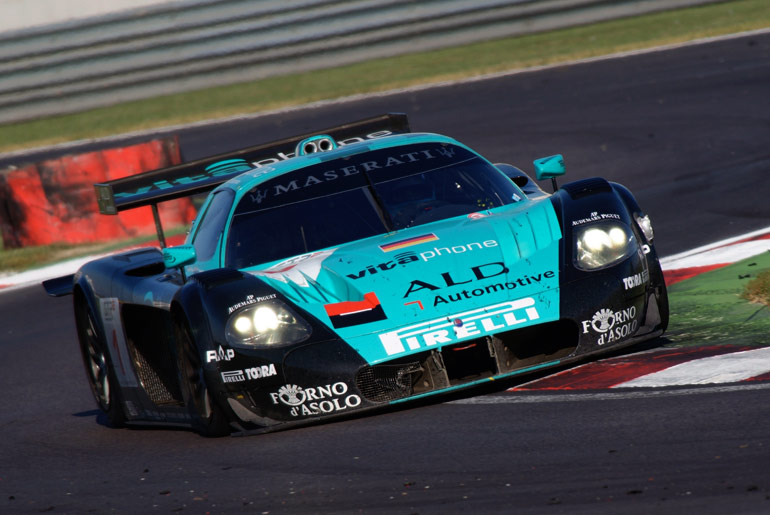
(677, 426)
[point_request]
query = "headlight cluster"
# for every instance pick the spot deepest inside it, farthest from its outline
(645, 225)
(266, 324)
(603, 244)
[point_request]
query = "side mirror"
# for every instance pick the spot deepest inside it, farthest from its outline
(179, 256)
(550, 167)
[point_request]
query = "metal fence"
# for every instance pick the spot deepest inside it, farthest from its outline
(195, 44)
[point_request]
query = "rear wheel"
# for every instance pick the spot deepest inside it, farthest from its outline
(101, 379)
(208, 418)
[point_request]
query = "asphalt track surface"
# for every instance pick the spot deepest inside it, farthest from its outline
(686, 129)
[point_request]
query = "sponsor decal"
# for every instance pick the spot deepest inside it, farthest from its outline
(457, 249)
(419, 303)
(233, 376)
(401, 259)
(478, 273)
(408, 257)
(460, 326)
(477, 216)
(238, 376)
(234, 166)
(492, 288)
(259, 195)
(298, 269)
(596, 217)
(219, 355)
(475, 273)
(319, 400)
(349, 313)
(250, 299)
(612, 326)
(274, 190)
(109, 308)
(635, 280)
(409, 242)
(260, 372)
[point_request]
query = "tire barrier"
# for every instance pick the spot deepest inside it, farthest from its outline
(54, 201)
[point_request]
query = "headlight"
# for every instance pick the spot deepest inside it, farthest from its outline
(266, 324)
(646, 226)
(602, 244)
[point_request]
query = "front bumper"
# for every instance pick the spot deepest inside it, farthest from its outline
(598, 314)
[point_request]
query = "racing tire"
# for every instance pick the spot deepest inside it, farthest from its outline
(663, 307)
(98, 365)
(208, 417)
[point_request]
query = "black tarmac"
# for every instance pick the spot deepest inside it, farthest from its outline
(687, 129)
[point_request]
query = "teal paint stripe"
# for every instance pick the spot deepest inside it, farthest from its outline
(477, 382)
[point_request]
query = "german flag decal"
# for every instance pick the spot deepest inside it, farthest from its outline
(346, 314)
(402, 244)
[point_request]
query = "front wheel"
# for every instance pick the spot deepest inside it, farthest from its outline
(96, 358)
(208, 418)
(663, 300)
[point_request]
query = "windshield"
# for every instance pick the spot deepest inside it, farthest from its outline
(355, 197)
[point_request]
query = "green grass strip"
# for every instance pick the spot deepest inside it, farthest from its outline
(712, 309)
(385, 74)
(28, 258)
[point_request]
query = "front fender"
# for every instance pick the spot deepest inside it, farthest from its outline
(235, 374)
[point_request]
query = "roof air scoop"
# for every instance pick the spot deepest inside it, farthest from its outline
(313, 144)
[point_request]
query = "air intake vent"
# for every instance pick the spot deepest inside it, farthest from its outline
(162, 392)
(150, 343)
(586, 187)
(383, 383)
(216, 277)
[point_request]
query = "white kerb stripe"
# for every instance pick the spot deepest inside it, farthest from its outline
(720, 255)
(714, 245)
(727, 368)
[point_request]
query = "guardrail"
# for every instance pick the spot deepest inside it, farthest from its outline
(196, 44)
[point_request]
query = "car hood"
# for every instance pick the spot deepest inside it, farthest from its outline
(432, 285)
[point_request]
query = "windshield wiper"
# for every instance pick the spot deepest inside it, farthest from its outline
(379, 206)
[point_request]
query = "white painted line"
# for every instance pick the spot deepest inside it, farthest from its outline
(719, 255)
(520, 397)
(725, 368)
(19, 280)
(672, 261)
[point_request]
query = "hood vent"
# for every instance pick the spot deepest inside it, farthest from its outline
(586, 187)
(216, 277)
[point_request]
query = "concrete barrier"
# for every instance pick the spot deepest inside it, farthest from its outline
(54, 201)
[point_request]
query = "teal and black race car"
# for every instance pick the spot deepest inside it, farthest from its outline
(356, 268)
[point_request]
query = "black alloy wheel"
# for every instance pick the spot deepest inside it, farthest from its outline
(96, 359)
(208, 418)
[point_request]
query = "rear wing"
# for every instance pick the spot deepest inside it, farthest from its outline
(150, 188)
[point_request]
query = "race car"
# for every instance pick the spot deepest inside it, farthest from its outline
(353, 268)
